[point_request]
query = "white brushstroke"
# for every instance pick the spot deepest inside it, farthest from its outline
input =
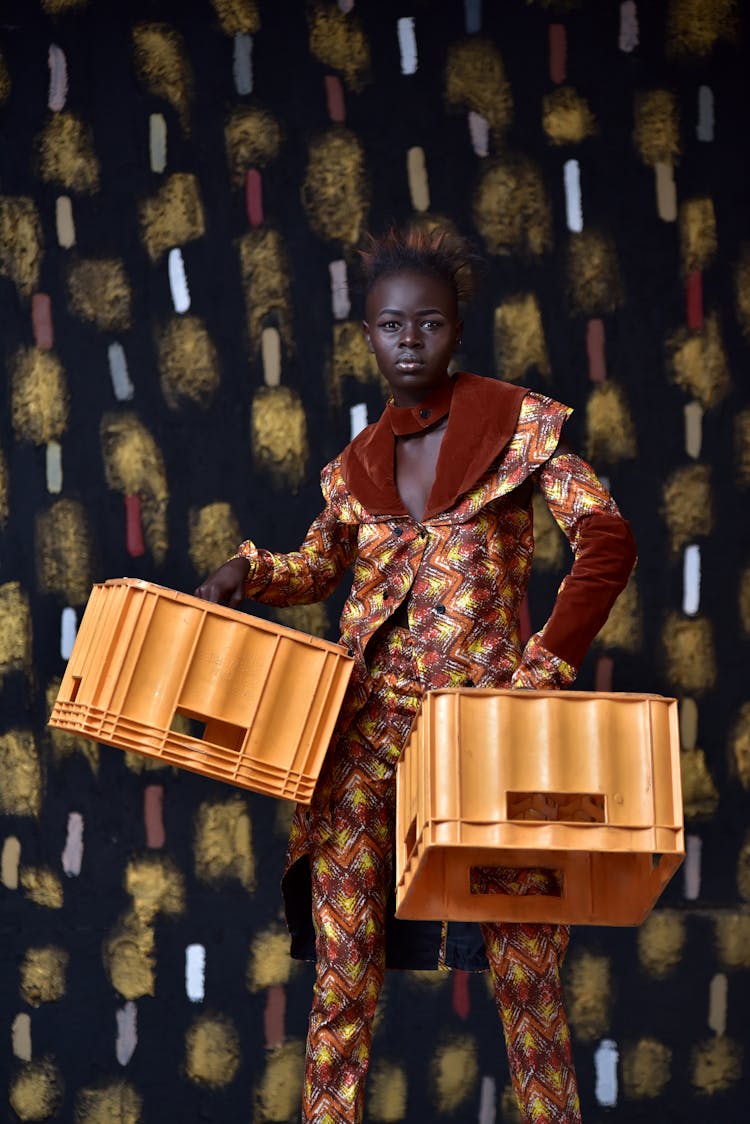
(58, 78)
(68, 630)
(479, 131)
(127, 1032)
(487, 1101)
(346, 6)
(407, 45)
(573, 205)
(717, 1004)
(691, 579)
(178, 281)
(242, 65)
(691, 878)
(118, 373)
(705, 126)
(629, 39)
(357, 419)
(195, 972)
(605, 1065)
(72, 856)
(21, 1037)
(157, 142)
(54, 467)
(340, 302)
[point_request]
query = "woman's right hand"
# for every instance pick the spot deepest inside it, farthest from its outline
(227, 584)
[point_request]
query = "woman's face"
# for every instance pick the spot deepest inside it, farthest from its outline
(412, 328)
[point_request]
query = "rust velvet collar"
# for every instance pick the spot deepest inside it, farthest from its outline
(482, 417)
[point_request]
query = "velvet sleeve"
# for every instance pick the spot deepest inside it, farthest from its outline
(603, 557)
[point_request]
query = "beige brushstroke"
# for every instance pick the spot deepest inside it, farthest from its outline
(9, 862)
(21, 1036)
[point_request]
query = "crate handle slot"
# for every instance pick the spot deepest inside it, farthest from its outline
(516, 881)
(567, 807)
(74, 687)
(411, 837)
(208, 729)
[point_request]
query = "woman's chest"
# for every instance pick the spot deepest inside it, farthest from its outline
(416, 466)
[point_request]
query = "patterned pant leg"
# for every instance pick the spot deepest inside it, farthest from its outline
(525, 962)
(351, 871)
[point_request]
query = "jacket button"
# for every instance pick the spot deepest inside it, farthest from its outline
(350, 652)
(398, 531)
(440, 608)
(469, 683)
(424, 413)
(386, 595)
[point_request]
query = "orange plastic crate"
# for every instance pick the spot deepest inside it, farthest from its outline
(585, 785)
(147, 658)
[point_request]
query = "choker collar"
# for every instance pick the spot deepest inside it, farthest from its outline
(407, 420)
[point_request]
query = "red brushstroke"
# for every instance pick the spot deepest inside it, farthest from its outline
(153, 815)
(605, 666)
(595, 350)
(694, 301)
(558, 53)
(335, 99)
(254, 198)
(525, 621)
(274, 1017)
(41, 321)
(461, 1001)
(133, 532)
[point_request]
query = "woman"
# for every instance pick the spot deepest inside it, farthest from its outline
(432, 507)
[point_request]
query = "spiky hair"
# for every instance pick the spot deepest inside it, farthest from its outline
(438, 252)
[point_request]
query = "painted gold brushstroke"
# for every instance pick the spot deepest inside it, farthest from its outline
(511, 209)
(162, 66)
(335, 190)
(716, 1064)
(740, 746)
(269, 963)
(700, 797)
(133, 465)
(173, 216)
(277, 1094)
(623, 627)
(64, 742)
(265, 278)
(687, 504)
(690, 654)
(279, 435)
(99, 291)
(237, 17)
(475, 78)
(156, 886)
(115, 1103)
(656, 132)
(733, 940)
(338, 41)
(661, 942)
(42, 886)
(646, 1069)
(519, 338)
(589, 987)
(509, 1106)
(212, 1051)
(252, 137)
(697, 362)
(610, 432)
(66, 154)
(64, 552)
(548, 538)
(224, 844)
(129, 957)
(743, 870)
(5, 82)
(312, 619)
(742, 447)
(39, 396)
(15, 630)
(137, 763)
(21, 242)
(388, 1093)
(567, 116)
(594, 281)
(688, 723)
(742, 290)
(351, 358)
(283, 818)
(694, 27)
(36, 1091)
(20, 768)
(214, 533)
(454, 1073)
(4, 500)
(697, 221)
(43, 975)
(188, 363)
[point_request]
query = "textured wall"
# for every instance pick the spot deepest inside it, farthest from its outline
(181, 190)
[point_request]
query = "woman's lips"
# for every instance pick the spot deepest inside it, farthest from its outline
(407, 363)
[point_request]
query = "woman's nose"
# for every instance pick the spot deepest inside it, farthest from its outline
(410, 336)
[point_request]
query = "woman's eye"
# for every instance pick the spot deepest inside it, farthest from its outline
(390, 325)
(432, 324)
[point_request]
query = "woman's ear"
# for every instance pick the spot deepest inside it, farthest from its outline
(366, 334)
